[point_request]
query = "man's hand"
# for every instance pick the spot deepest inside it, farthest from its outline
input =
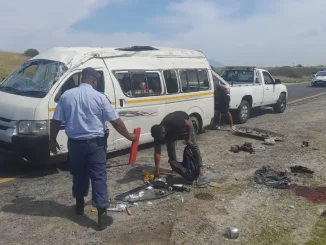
(54, 147)
(132, 137)
(189, 143)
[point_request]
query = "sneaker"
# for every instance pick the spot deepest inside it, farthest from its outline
(80, 204)
(233, 128)
(102, 219)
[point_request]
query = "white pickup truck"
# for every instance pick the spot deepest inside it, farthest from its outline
(251, 87)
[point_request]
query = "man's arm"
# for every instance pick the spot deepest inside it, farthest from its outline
(119, 125)
(55, 124)
(189, 127)
(111, 116)
(157, 158)
(54, 130)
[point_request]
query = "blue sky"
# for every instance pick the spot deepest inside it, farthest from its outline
(233, 32)
(138, 15)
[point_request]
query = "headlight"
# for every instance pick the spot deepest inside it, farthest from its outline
(33, 127)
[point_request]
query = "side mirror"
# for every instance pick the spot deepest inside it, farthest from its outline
(277, 81)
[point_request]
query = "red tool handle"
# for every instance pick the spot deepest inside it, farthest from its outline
(134, 147)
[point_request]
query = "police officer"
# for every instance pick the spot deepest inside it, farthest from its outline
(85, 111)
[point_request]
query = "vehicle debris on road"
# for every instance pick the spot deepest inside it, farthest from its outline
(259, 133)
(247, 147)
(232, 232)
(301, 171)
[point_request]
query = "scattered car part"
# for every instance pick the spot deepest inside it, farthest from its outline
(258, 133)
(232, 232)
(300, 169)
(269, 141)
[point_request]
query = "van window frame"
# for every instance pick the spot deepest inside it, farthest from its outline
(198, 87)
(73, 73)
(178, 81)
(140, 71)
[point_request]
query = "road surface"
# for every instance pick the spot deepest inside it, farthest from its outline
(303, 90)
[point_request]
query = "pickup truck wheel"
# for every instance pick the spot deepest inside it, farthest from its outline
(195, 124)
(280, 105)
(243, 113)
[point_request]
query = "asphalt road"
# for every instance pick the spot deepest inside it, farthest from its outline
(303, 90)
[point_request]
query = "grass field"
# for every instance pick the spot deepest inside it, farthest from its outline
(10, 61)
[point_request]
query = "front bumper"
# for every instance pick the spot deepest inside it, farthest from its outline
(34, 148)
(318, 82)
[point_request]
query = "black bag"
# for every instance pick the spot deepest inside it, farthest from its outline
(188, 168)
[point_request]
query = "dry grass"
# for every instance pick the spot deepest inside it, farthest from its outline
(9, 62)
(293, 79)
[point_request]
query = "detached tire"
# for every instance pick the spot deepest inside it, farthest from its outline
(195, 124)
(243, 112)
(280, 105)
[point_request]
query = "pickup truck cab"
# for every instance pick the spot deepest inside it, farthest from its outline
(251, 87)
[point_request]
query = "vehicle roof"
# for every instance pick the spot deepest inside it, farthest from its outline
(75, 54)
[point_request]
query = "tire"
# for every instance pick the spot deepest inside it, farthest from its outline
(280, 105)
(243, 112)
(195, 124)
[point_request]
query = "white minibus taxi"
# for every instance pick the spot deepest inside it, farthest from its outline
(143, 84)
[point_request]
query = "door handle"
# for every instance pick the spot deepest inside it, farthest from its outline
(122, 102)
(267, 88)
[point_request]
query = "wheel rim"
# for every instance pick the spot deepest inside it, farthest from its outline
(244, 112)
(195, 126)
(283, 103)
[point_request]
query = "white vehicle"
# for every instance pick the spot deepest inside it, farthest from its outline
(143, 83)
(251, 87)
(319, 79)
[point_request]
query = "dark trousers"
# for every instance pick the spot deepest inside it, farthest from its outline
(88, 161)
(171, 144)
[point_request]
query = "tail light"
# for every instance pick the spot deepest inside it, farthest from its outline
(227, 90)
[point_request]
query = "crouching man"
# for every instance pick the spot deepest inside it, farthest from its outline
(172, 127)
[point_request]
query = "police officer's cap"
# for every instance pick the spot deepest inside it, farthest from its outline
(90, 72)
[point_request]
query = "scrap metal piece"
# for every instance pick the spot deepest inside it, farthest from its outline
(139, 194)
(232, 232)
(259, 133)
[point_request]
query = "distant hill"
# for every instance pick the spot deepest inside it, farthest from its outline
(215, 63)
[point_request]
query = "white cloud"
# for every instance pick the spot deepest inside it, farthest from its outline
(279, 32)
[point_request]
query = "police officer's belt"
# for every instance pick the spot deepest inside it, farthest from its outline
(99, 140)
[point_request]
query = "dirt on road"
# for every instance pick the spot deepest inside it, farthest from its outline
(38, 209)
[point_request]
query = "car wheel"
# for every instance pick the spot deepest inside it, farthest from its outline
(243, 112)
(280, 105)
(195, 124)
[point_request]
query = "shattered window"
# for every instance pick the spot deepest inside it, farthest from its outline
(34, 78)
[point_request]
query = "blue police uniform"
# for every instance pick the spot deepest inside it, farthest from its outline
(85, 111)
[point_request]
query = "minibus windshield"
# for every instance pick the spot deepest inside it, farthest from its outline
(34, 78)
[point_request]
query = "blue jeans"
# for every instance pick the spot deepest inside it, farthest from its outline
(88, 162)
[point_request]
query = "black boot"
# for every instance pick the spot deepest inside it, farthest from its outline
(80, 204)
(102, 219)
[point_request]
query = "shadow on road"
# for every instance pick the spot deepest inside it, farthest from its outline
(30, 207)
(257, 112)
